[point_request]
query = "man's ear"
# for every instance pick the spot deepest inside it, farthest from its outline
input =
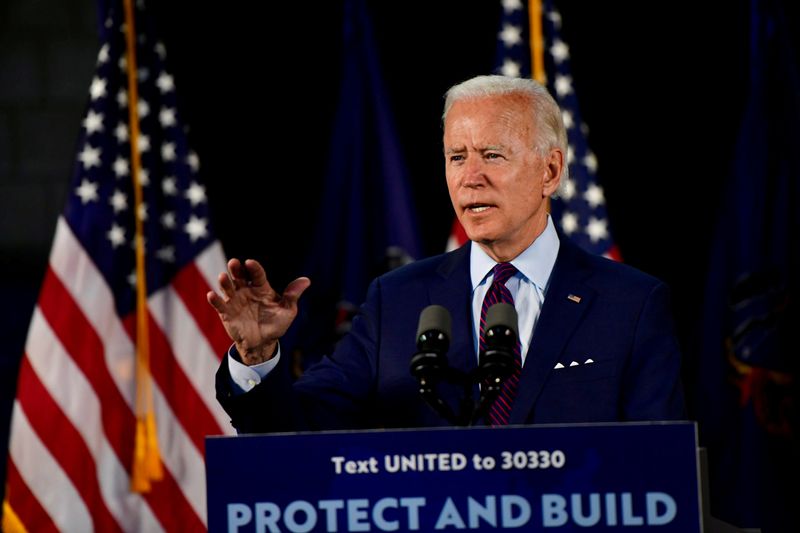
(554, 167)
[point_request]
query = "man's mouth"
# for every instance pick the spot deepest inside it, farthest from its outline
(478, 208)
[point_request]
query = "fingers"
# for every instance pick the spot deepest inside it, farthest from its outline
(252, 274)
(216, 301)
(294, 290)
(237, 274)
(235, 278)
(226, 285)
(255, 273)
(234, 267)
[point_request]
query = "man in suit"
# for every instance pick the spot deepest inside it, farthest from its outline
(596, 339)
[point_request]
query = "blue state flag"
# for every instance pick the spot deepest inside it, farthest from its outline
(746, 397)
(367, 223)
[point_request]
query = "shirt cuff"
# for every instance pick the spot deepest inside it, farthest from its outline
(244, 377)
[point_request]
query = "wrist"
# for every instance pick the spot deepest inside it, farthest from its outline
(257, 354)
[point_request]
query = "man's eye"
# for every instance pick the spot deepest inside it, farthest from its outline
(456, 158)
(492, 155)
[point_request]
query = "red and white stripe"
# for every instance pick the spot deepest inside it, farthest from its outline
(457, 236)
(73, 419)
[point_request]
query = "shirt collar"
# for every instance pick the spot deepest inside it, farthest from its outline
(535, 263)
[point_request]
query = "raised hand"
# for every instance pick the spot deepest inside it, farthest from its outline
(254, 315)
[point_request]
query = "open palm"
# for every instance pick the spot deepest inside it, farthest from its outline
(252, 312)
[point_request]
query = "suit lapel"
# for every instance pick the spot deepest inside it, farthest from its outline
(560, 315)
(453, 291)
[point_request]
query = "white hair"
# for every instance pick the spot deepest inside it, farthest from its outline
(545, 112)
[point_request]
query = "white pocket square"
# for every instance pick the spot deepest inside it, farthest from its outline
(573, 363)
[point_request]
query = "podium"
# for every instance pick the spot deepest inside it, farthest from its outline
(595, 477)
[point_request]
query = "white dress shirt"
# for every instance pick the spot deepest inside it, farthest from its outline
(528, 286)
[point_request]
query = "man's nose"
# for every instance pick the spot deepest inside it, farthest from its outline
(474, 172)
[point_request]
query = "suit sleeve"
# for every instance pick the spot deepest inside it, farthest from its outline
(333, 394)
(651, 384)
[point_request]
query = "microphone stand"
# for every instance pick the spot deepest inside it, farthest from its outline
(495, 364)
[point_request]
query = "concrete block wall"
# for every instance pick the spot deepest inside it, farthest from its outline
(47, 52)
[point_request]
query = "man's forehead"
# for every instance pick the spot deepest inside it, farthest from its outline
(512, 104)
(488, 118)
(486, 131)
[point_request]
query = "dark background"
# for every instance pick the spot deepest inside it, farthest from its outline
(662, 87)
(662, 91)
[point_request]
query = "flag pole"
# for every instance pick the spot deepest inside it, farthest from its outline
(536, 41)
(146, 456)
(11, 522)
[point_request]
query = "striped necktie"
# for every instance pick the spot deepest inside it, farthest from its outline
(500, 411)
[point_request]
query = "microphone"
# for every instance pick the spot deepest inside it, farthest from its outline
(497, 362)
(429, 365)
(433, 340)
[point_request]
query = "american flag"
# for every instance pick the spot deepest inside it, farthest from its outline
(74, 417)
(580, 211)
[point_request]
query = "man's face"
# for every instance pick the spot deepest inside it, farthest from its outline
(498, 182)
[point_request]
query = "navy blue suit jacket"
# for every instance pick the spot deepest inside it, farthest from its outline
(622, 322)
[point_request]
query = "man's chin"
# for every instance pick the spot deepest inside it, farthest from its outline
(481, 237)
(478, 230)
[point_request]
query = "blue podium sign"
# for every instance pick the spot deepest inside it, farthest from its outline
(613, 477)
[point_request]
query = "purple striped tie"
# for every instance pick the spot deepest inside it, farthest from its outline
(500, 411)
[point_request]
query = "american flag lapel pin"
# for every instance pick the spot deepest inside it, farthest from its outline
(573, 298)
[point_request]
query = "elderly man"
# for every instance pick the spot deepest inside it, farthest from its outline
(596, 341)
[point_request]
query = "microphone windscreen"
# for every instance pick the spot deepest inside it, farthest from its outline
(435, 317)
(502, 314)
